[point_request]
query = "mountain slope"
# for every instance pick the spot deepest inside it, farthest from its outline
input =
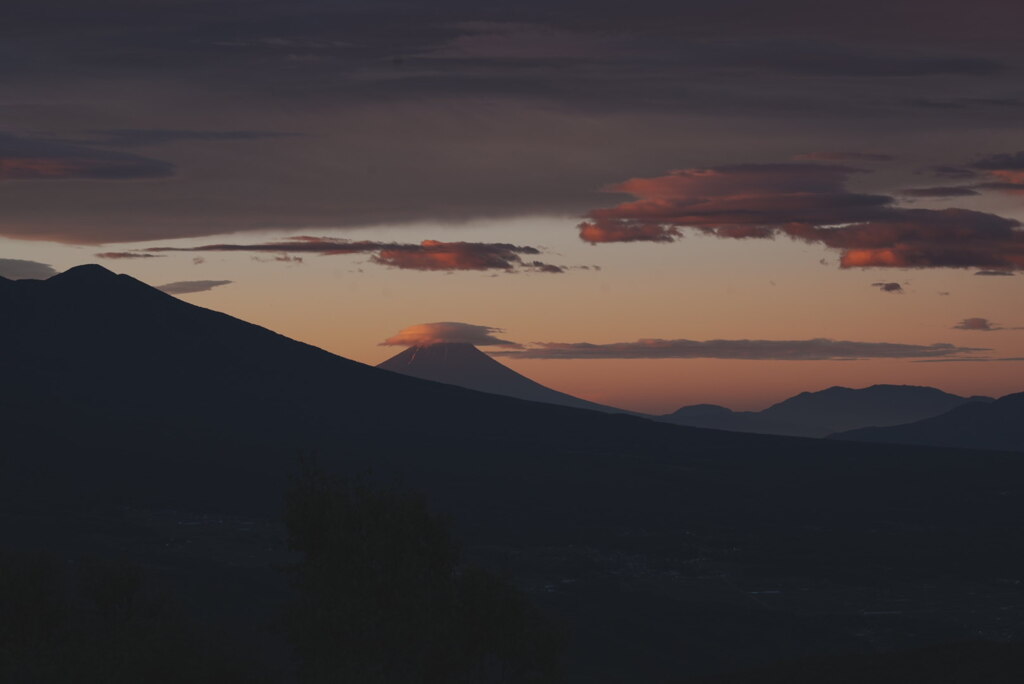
(818, 414)
(995, 425)
(466, 366)
(117, 363)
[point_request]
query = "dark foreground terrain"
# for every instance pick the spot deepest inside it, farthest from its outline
(142, 428)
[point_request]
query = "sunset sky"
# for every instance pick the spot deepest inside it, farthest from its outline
(659, 203)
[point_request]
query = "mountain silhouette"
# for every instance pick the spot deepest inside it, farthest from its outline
(124, 368)
(819, 414)
(464, 365)
(136, 425)
(993, 425)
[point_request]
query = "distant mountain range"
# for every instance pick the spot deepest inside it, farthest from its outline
(466, 366)
(994, 425)
(836, 409)
(809, 414)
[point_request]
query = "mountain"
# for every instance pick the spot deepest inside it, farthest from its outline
(102, 347)
(466, 366)
(717, 417)
(818, 414)
(995, 425)
(136, 426)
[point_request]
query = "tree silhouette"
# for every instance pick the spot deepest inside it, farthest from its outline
(381, 596)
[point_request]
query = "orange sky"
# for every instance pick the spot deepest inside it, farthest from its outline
(700, 288)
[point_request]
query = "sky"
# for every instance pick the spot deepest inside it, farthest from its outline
(651, 204)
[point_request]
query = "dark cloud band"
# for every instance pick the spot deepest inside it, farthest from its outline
(428, 255)
(191, 286)
(762, 350)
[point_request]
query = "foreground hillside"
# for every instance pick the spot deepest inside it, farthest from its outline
(139, 426)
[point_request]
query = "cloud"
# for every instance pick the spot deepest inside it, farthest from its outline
(127, 255)
(143, 137)
(994, 273)
(23, 158)
(1001, 162)
(773, 350)
(893, 288)
(844, 156)
(20, 269)
(982, 324)
(425, 334)
(1016, 185)
(428, 255)
(807, 202)
(971, 359)
(520, 116)
(281, 258)
(739, 201)
(951, 172)
(1005, 170)
(191, 286)
(942, 191)
(434, 255)
(838, 62)
(967, 102)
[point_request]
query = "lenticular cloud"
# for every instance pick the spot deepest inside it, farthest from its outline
(426, 334)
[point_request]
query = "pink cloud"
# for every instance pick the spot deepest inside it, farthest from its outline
(808, 202)
(426, 334)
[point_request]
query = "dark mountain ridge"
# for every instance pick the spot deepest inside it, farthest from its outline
(992, 425)
(822, 413)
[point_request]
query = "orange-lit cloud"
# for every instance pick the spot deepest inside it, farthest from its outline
(434, 255)
(426, 334)
(428, 255)
(808, 202)
(774, 350)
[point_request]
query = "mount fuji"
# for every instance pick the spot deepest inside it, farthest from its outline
(463, 365)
